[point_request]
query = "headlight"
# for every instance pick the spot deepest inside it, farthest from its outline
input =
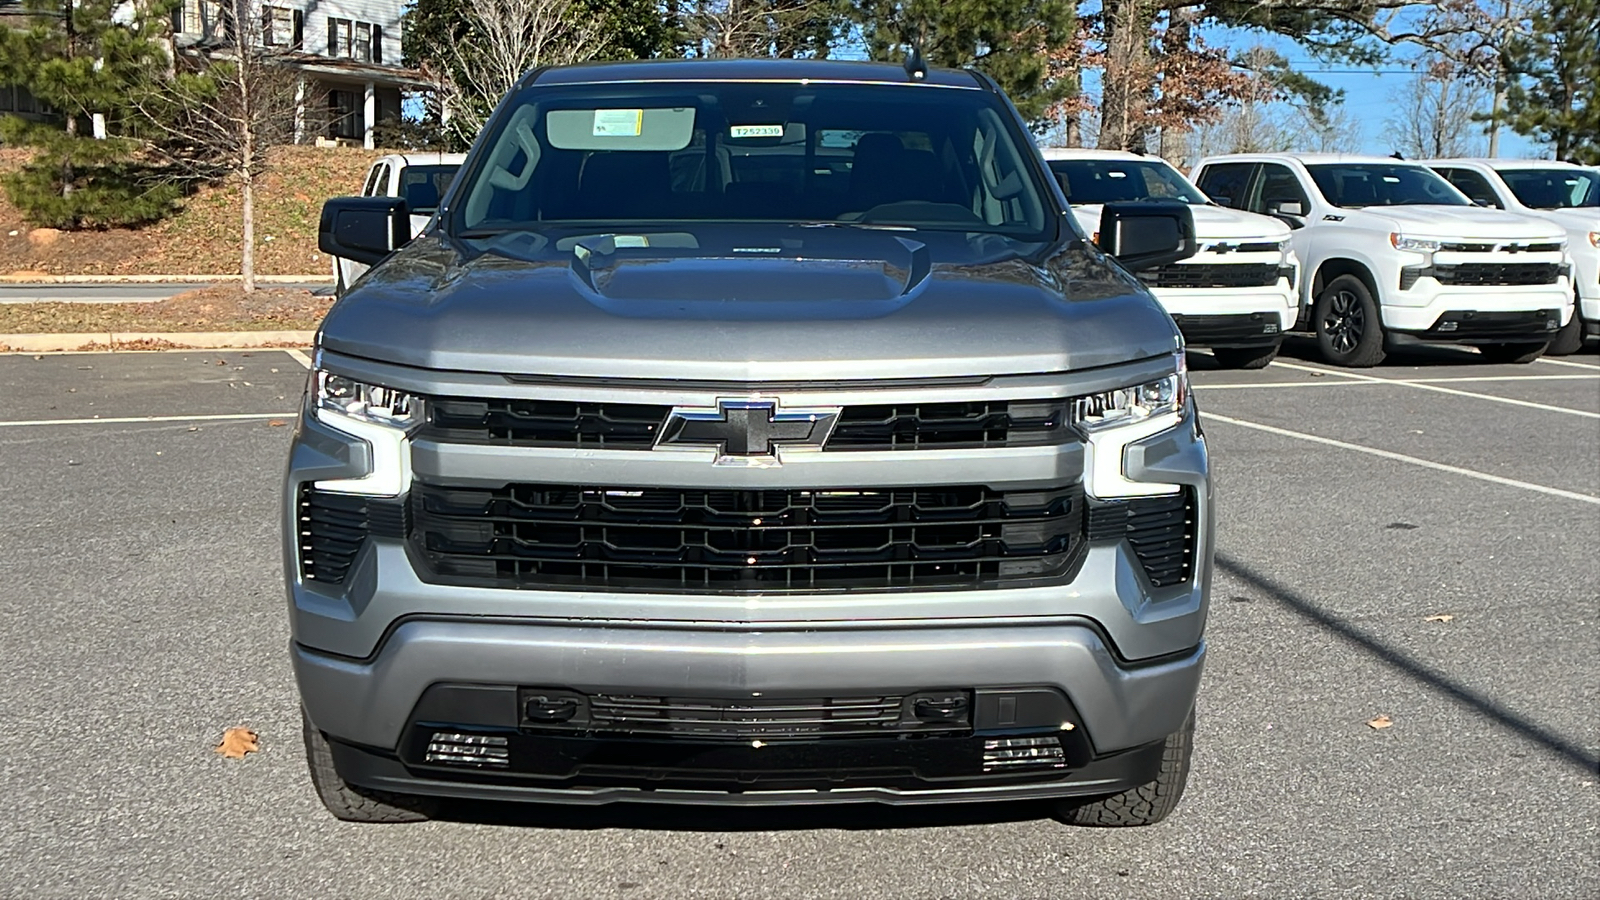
(1594, 238)
(1414, 245)
(1135, 403)
(366, 402)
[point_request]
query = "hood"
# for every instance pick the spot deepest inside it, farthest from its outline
(748, 304)
(1463, 223)
(1211, 223)
(1577, 222)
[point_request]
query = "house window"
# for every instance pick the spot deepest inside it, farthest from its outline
(281, 27)
(361, 41)
(345, 117)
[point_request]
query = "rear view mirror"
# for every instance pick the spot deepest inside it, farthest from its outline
(1147, 234)
(364, 229)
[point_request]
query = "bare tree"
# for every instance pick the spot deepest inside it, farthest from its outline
(1328, 129)
(215, 117)
(755, 28)
(1434, 116)
(1252, 126)
(499, 42)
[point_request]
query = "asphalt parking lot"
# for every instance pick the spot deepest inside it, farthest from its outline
(141, 613)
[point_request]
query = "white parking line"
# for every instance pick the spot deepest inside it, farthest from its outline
(1404, 458)
(1401, 457)
(1567, 362)
(124, 420)
(1421, 386)
(299, 357)
(1468, 378)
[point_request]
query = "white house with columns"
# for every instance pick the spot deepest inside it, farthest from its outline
(347, 50)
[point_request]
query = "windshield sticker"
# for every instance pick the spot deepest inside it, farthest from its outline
(755, 131)
(618, 122)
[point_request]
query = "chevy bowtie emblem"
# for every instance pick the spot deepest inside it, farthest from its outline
(748, 431)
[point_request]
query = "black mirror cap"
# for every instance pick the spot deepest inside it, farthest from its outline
(1147, 234)
(365, 229)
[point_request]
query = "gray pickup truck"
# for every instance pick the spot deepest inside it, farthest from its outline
(750, 432)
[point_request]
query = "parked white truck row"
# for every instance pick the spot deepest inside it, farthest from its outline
(1365, 252)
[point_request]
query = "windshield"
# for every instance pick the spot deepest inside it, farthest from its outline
(422, 186)
(1354, 185)
(675, 153)
(1093, 181)
(1554, 188)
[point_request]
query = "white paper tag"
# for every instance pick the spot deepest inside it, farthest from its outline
(755, 131)
(618, 122)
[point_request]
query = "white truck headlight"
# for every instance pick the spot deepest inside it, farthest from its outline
(1414, 245)
(1131, 405)
(1111, 420)
(1594, 238)
(366, 402)
(382, 417)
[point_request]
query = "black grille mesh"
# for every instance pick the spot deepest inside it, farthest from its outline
(623, 426)
(1160, 529)
(532, 535)
(1208, 275)
(1497, 273)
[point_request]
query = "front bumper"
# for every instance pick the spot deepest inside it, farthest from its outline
(1231, 317)
(373, 706)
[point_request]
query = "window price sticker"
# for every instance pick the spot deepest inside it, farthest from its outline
(618, 122)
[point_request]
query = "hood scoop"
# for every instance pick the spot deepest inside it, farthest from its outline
(624, 269)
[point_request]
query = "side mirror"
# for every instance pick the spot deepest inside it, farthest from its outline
(364, 229)
(1287, 208)
(1147, 234)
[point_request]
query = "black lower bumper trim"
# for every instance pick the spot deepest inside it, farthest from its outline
(1110, 774)
(1476, 327)
(1242, 330)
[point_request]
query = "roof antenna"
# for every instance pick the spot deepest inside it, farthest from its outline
(916, 67)
(1396, 155)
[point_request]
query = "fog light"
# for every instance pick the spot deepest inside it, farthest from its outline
(1012, 754)
(477, 750)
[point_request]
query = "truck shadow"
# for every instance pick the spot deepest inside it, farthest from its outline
(666, 817)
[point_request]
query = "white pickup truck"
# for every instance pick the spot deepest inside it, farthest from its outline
(1390, 249)
(1566, 194)
(418, 178)
(1237, 295)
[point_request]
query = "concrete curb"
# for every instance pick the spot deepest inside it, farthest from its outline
(159, 279)
(152, 340)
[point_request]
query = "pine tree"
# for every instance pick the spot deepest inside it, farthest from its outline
(85, 58)
(1554, 95)
(1010, 40)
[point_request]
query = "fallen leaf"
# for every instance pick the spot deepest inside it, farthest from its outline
(1380, 722)
(277, 423)
(1442, 617)
(1318, 374)
(236, 742)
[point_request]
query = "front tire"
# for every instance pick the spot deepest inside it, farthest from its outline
(348, 802)
(1146, 804)
(1513, 354)
(1245, 357)
(1349, 329)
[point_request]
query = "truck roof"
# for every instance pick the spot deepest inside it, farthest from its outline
(1310, 158)
(829, 70)
(1502, 163)
(1082, 153)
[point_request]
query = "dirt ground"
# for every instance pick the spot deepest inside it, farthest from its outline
(204, 237)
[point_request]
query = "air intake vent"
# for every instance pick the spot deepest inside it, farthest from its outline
(1161, 530)
(332, 528)
(478, 751)
(1023, 754)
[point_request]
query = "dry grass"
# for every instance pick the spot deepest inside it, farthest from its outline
(202, 239)
(223, 307)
